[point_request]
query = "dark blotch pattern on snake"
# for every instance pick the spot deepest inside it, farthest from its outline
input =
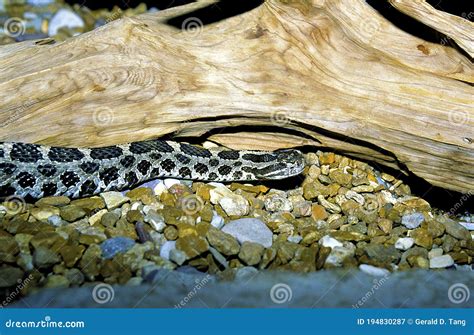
(35, 171)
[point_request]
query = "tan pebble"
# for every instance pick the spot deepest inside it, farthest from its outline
(97, 217)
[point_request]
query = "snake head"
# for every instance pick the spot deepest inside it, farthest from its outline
(288, 163)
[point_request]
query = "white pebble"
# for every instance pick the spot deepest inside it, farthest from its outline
(155, 220)
(64, 19)
(467, 225)
(170, 182)
(217, 220)
(328, 241)
(294, 239)
(113, 199)
(373, 270)
(412, 221)
(159, 188)
(166, 248)
(441, 262)
(435, 253)
(404, 243)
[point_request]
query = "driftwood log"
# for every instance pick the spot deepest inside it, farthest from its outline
(328, 73)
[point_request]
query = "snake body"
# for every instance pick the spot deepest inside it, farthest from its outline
(35, 171)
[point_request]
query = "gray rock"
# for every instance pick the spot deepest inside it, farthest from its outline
(251, 230)
(441, 262)
(116, 245)
(166, 248)
(219, 257)
(454, 229)
(251, 253)
(340, 253)
(245, 273)
(64, 19)
(413, 220)
(44, 257)
(382, 254)
(177, 256)
(75, 276)
(10, 276)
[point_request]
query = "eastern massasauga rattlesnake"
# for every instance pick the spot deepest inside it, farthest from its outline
(35, 171)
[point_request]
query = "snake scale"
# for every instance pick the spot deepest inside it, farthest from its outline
(35, 171)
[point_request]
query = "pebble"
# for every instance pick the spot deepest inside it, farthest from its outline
(160, 188)
(166, 249)
(117, 245)
(250, 230)
(192, 245)
(373, 270)
(232, 204)
(454, 229)
(44, 212)
(251, 253)
(295, 239)
(339, 253)
(467, 225)
(223, 242)
(245, 273)
(177, 256)
(10, 276)
(45, 258)
(412, 221)
(56, 281)
(351, 195)
(276, 201)
(72, 213)
(440, 262)
(157, 221)
(53, 201)
(332, 208)
(64, 19)
(404, 243)
(219, 258)
(114, 199)
(217, 220)
(435, 253)
(328, 241)
(97, 217)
